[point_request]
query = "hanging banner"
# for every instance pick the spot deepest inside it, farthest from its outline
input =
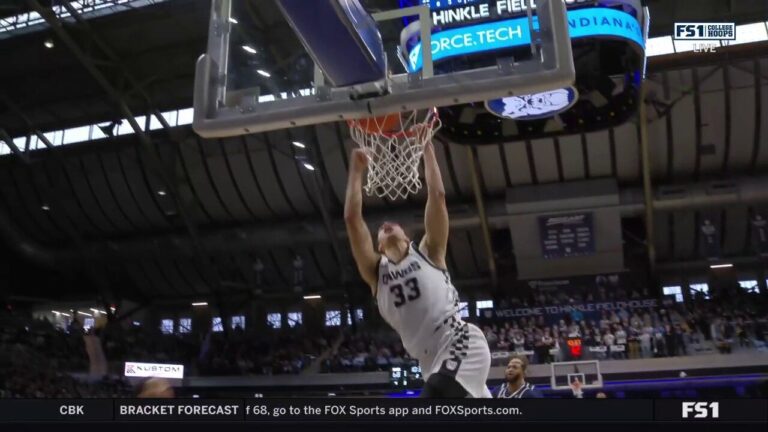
(589, 310)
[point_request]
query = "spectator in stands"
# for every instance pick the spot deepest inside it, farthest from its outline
(576, 315)
(670, 340)
(591, 341)
(609, 340)
(621, 342)
(560, 345)
(659, 347)
(584, 327)
(721, 337)
(514, 385)
(503, 344)
(490, 335)
(623, 315)
(547, 343)
(741, 333)
(633, 340)
(645, 343)
(530, 340)
(679, 332)
(605, 320)
(574, 331)
(518, 341)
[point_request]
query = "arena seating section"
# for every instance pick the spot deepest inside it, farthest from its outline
(736, 322)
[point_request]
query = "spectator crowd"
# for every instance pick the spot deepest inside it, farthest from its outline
(630, 334)
(367, 352)
(735, 321)
(37, 359)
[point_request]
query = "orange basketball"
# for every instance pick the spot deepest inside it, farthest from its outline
(385, 123)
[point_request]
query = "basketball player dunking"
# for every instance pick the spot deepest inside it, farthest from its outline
(414, 292)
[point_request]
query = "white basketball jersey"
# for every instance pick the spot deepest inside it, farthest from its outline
(415, 298)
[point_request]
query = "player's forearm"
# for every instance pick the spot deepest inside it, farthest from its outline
(353, 205)
(432, 174)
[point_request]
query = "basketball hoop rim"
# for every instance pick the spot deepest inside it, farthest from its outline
(402, 134)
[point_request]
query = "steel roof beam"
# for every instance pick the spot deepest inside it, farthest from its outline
(480, 203)
(146, 144)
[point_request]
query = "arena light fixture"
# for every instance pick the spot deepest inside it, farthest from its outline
(200, 304)
(233, 21)
(720, 266)
(299, 145)
(309, 166)
(48, 43)
(660, 46)
(162, 193)
(312, 297)
(56, 312)
(84, 313)
(45, 207)
(249, 49)
(263, 73)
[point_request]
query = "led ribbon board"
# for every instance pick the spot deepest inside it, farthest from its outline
(597, 22)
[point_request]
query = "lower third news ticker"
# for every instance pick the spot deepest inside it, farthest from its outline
(379, 410)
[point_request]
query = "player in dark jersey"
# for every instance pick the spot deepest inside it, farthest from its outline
(514, 385)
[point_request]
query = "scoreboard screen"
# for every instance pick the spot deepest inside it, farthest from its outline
(406, 376)
(564, 236)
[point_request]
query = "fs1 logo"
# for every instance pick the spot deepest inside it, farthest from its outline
(701, 410)
(705, 31)
(706, 37)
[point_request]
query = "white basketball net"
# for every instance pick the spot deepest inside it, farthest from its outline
(394, 155)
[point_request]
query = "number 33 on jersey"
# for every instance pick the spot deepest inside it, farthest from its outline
(414, 296)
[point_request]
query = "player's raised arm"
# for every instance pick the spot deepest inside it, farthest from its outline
(435, 241)
(359, 237)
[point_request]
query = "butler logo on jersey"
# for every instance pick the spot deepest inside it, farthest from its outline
(397, 274)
